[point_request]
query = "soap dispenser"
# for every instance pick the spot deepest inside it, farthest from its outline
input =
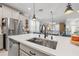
(51, 37)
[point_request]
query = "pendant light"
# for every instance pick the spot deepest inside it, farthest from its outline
(34, 17)
(69, 9)
(52, 18)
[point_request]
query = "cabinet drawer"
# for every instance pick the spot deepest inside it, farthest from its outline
(31, 51)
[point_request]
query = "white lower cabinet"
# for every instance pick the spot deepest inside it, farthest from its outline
(13, 48)
(1, 41)
(28, 51)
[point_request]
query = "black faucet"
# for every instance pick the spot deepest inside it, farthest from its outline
(45, 31)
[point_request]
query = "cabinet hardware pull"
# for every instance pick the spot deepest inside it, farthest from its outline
(32, 53)
(25, 52)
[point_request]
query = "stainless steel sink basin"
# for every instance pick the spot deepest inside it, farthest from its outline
(43, 42)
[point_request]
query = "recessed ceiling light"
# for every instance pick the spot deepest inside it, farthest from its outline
(40, 10)
(54, 23)
(29, 8)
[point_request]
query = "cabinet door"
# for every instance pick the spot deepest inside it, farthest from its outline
(1, 41)
(22, 18)
(9, 12)
(31, 51)
(0, 25)
(0, 12)
(13, 48)
(15, 14)
(6, 12)
(3, 11)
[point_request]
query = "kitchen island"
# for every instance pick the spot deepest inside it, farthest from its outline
(64, 45)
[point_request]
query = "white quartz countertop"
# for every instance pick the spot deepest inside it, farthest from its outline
(64, 46)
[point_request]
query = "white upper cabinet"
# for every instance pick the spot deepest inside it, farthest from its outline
(0, 22)
(1, 12)
(22, 18)
(10, 13)
(15, 14)
(6, 12)
(0, 19)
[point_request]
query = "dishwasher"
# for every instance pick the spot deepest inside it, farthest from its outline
(13, 48)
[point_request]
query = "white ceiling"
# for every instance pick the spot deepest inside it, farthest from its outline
(45, 15)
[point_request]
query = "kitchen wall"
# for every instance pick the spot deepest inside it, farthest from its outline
(72, 25)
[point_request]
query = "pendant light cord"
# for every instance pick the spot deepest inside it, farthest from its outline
(52, 15)
(69, 4)
(34, 7)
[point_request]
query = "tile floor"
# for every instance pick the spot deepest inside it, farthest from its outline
(3, 53)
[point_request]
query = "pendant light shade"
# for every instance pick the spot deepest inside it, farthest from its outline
(69, 9)
(34, 17)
